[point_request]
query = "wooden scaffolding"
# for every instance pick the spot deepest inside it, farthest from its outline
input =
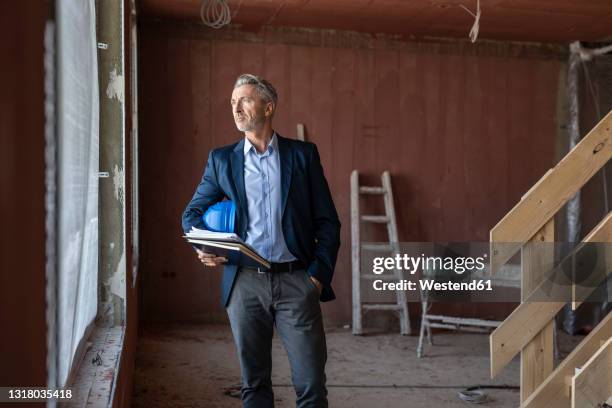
(583, 379)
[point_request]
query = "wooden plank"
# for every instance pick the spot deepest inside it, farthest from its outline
(531, 316)
(343, 135)
(552, 392)
(322, 104)
(356, 253)
(593, 384)
(452, 115)
(411, 161)
(537, 360)
(300, 84)
(537, 355)
(552, 192)
(301, 132)
(463, 321)
(537, 259)
(518, 330)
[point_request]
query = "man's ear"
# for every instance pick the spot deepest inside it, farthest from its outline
(269, 109)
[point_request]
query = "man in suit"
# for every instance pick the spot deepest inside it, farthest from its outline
(286, 213)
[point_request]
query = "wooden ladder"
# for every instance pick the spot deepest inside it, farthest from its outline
(359, 307)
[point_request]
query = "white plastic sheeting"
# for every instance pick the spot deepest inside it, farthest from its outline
(573, 205)
(78, 158)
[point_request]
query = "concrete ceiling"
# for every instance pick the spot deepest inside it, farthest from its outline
(555, 21)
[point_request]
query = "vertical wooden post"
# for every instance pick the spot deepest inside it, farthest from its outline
(355, 253)
(301, 133)
(537, 355)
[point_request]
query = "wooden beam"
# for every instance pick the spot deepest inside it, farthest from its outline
(533, 315)
(356, 254)
(518, 330)
(301, 133)
(593, 384)
(551, 193)
(537, 258)
(537, 360)
(552, 392)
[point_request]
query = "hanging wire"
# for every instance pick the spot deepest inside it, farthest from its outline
(587, 54)
(215, 13)
(476, 26)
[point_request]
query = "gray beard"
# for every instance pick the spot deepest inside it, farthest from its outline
(249, 125)
(246, 127)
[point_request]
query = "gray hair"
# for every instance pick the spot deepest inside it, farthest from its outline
(264, 88)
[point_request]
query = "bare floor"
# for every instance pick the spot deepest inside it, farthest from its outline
(192, 366)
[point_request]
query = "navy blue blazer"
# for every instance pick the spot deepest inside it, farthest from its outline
(310, 222)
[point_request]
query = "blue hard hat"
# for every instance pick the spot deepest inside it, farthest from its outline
(220, 217)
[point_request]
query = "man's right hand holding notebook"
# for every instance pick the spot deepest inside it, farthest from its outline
(210, 259)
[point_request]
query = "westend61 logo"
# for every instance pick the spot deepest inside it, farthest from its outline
(456, 266)
(411, 264)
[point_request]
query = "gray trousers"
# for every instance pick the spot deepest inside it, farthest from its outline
(289, 301)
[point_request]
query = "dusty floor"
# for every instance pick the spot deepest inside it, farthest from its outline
(190, 366)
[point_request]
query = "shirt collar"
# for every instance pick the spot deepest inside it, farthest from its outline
(272, 146)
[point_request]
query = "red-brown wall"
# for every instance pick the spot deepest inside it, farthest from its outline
(23, 343)
(464, 129)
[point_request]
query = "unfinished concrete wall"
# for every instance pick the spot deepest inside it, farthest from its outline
(111, 77)
(465, 130)
(118, 269)
(124, 379)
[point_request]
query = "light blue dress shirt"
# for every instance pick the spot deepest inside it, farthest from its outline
(262, 182)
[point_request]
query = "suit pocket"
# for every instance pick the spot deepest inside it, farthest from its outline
(310, 284)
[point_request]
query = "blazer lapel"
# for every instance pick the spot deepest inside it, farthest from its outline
(286, 161)
(237, 165)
